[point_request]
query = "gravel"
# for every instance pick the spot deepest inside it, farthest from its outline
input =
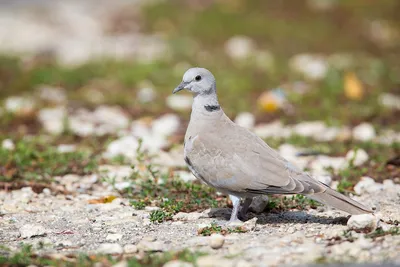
(70, 224)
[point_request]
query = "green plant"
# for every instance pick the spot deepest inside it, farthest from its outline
(160, 216)
(36, 160)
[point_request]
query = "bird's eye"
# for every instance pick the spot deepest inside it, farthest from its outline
(198, 78)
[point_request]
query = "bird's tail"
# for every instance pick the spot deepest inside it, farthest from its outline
(337, 200)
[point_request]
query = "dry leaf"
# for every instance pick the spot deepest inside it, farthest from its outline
(271, 101)
(106, 199)
(353, 87)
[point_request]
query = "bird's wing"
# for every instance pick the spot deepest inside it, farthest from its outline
(237, 160)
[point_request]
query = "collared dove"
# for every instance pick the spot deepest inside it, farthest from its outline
(236, 162)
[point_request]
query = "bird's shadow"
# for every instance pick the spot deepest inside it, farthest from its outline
(284, 217)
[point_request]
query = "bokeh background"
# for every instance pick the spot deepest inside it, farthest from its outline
(87, 79)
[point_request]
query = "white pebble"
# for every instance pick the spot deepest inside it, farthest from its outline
(46, 192)
(31, 230)
(313, 67)
(52, 94)
(8, 144)
(125, 146)
(110, 248)
(245, 119)
(362, 223)
(178, 263)
(216, 241)
(185, 176)
(146, 95)
(166, 125)
(18, 104)
(114, 237)
(66, 148)
(52, 119)
(239, 47)
(364, 132)
(130, 249)
(179, 102)
(367, 185)
(390, 100)
(358, 157)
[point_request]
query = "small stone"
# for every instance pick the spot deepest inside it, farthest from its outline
(121, 264)
(310, 128)
(19, 104)
(245, 119)
(53, 119)
(313, 67)
(32, 230)
(179, 102)
(364, 132)
(185, 176)
(66, 244)
(367, 185)
(178, 263)
(239, 47)
(213, 261)
(125, 146)
(273, 129)
(146, 95)
(110, 248)
(114, 237)
(183, 216)
(130, 249)
(358, 157)
(8, 144)
(66, 148)
(390, 101)
(216, 241)
(250, 225)
(150, 208)
(55, 95)
(114, 117)
(243, 263)
(46, 192)
(166, 124)
(150, 246)
(362, 223)
(259, 203)
(322, 162)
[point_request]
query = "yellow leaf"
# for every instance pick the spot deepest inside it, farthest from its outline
(109, 199)
(268, 102)
(106, 199)
(353, 87)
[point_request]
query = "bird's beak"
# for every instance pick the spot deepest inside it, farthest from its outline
(180, 87)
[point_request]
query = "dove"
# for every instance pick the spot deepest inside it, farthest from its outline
(237, 162)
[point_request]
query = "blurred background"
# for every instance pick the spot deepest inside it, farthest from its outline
(95, 76)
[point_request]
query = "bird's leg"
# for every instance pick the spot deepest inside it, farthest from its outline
(245, 207)
(236, 204)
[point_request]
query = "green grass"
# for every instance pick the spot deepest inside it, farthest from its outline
(300, 202)
(36, 160)
(214, 228)
(150, 187)
(26, 256)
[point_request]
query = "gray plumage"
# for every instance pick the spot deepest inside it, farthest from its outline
(237, 162)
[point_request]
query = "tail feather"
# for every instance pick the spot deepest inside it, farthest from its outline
(339, 201)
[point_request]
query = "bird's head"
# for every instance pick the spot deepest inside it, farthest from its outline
(199, 81)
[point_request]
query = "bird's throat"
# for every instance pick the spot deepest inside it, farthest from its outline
(205, 104)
